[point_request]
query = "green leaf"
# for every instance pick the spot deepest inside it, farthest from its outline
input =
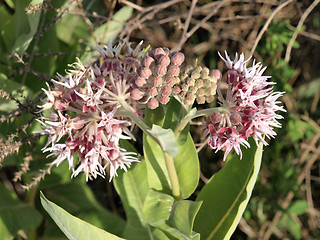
(110, 30)
(292, 225)
(226, 195)
(14, 215)
(183, 215)
(72, 227)
(76, 29)
(11, 87)
(132, 187)
(4, 234)
(298, 207)
(23, 41)
(186, 161)
(157, 207)
(166, 139)
(187, 166)
(158, 176)
(157, 210)
(20, 29)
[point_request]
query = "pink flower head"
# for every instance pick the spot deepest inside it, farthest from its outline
(82, 127)
(248, 108)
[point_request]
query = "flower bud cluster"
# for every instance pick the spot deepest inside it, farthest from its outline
(196, 83)
(248, 108)
(157, 75)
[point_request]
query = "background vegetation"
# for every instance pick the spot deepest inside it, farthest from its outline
(41, 37)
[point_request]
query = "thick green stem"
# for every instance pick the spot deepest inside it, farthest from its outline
(173, 176)
(204, 112)
(168, 159)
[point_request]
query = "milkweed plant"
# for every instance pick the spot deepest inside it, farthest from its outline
(89, 116)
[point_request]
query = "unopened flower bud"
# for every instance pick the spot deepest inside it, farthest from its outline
(190, 96)
(232, 77)
(153, 91)
(216, 74)
(153, 103)
(136, 94)
(213, 87)
(201, 100)
(188, 69)
(192, 89)
(176, 89)
(195, 74)
(164, 99)
(201, 92)
(216, 117)
(166, 91)
(144, 72)
(184, 87)
(150, 53)
(182, 94)
(174, 70)
(235, 118)
(170, 81)
(140, 81)
(161, 70)
(204, 73)
(164, 60)
(190, 82)
(147, 61)
(210, 98)
(157, 81)
(199, 83)
(177, 58)
(158, 52)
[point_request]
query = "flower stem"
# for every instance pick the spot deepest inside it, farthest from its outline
(173, 176)
(204, 112)
(168, 159)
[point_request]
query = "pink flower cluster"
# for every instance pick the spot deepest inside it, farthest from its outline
(82, 126)
(248, 108)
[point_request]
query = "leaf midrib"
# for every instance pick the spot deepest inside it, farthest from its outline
(233, 204)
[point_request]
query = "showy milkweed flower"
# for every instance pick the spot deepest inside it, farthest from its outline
(82, 127)
(248, 108)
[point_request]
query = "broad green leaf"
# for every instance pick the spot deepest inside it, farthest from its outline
(14, 215)
(187, 166)
(77, 29)
(183, 215)
(157, 174)
(298, 207)
(132, 187)
(226, 195)
(4, 234)
(110, 30)
(166, 139)
(23, 41)
(20, 28)
(157, 207)
(72, 227)
(11, 87)
(77, 198)
(292, 225)
(186, 161)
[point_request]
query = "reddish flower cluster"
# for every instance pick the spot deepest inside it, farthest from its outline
(157, 75)
(83, 122)
(248, 108)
